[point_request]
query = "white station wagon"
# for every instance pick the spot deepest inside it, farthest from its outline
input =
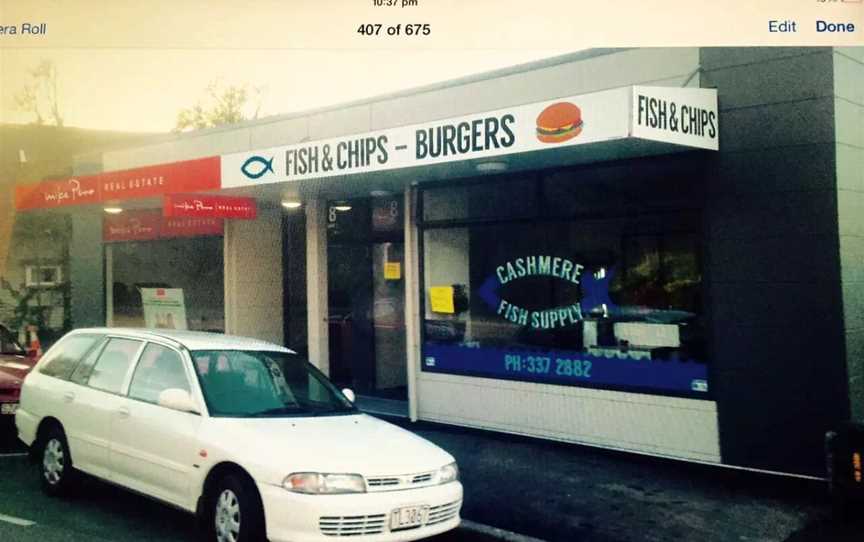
(245, 434)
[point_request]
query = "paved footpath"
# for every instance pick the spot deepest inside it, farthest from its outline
(563, 492)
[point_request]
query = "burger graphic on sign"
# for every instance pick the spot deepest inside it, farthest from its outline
(559, 122)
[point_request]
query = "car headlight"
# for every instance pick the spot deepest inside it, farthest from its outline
(316, 483)
(448, 473)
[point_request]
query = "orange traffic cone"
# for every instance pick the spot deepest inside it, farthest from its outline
(35, 349)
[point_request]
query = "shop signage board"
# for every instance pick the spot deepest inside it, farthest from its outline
(60, 193)
(563, 122)
(151, 181)
(684, 116)
(164, 308)
(149, 224)
(209, 206)
(190, 227)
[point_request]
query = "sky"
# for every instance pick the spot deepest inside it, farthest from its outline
(133, 65)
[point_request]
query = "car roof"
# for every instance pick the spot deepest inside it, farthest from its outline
(191, 340)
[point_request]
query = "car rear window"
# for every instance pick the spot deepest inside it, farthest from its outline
(61, 360)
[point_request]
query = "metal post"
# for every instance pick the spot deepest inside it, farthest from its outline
(412, 302)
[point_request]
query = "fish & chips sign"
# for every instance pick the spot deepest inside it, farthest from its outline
(624, 113)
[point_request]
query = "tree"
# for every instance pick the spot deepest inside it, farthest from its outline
(221, 105)
(40, 96)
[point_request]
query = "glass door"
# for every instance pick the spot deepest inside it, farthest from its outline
(366, 279)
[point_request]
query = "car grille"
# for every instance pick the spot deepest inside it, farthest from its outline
(376, 523)
(352, 525)
(401, 481)
(442, 513)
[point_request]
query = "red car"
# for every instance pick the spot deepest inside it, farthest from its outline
(14, 366)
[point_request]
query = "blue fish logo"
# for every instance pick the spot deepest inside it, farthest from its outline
(264, 166)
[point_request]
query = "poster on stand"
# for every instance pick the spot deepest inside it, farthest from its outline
(163, 308)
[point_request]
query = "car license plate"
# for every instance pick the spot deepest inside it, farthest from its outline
(408, 516)
(8, 408)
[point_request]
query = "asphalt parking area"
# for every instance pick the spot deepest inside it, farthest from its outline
(100, 512)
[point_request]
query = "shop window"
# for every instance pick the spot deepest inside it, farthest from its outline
(611, 303)
(629, 187)
(510, 199)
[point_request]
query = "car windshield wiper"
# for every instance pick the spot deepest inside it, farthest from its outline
(276, 411)
(332, 411)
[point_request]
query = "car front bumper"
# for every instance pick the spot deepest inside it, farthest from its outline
(361, 516)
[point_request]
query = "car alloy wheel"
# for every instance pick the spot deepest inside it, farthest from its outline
(56, 471)
(53, 462)
(227, 517)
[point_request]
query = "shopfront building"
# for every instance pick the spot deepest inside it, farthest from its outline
(649, 250)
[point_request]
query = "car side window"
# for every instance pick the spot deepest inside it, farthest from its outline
(113, 364)
(160, 368)
(82, 372)
(65, 355)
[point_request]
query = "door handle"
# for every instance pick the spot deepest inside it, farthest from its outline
(123, 412)
(69, 396)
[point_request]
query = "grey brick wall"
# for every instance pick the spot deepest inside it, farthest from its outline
(849, 129)
(773, 266)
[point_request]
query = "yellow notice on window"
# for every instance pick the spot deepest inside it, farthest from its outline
(441, 299)
(392, 270)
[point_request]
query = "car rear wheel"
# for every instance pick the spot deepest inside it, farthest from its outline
(55, 467)
(237, 513)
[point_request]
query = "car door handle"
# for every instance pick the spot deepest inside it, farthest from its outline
(123, 412)
(69, 396)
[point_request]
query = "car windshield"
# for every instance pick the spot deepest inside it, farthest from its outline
(249, 384)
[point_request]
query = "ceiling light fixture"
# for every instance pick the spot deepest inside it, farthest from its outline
(291, 204)
(113, 210)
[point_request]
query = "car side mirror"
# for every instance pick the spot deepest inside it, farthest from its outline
(349, 394)
(177, 399)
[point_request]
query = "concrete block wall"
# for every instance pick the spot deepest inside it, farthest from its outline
(772, 266)
(848, 64)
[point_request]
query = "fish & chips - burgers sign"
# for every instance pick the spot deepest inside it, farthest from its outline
(682, 116)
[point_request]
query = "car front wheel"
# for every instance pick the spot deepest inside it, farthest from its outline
(56, 464)
(237, 512)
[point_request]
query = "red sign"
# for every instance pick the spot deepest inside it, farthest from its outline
(132, 226)
(201, 205)
(191, 227)
(50, 194)
(187, 176)
(145, 182)
(149, 224)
